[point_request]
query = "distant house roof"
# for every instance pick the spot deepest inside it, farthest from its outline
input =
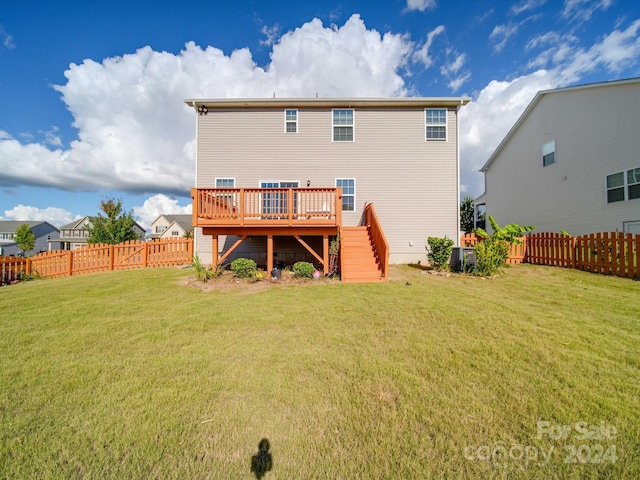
(10, 226)
(75, 224)
(537, 99)
(183, 220)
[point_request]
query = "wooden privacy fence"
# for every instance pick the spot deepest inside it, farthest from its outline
(101, 258)
(11, 269)
(608, 253)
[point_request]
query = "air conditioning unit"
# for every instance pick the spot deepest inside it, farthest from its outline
(462, 259)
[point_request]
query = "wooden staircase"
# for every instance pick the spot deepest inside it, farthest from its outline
(358, 262)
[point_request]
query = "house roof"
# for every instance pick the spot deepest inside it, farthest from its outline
(537, 99)
(75, 224)
(10, 226)
(363, 102)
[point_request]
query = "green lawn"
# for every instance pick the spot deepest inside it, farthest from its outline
(535, 374)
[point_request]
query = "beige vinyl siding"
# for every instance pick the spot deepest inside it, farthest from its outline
(596, 132)
(412, 183)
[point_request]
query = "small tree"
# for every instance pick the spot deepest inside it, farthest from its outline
(439, 251)
(115, 226)
(25, 239)
(466, 215)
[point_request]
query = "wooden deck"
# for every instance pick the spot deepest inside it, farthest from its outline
(294, 212)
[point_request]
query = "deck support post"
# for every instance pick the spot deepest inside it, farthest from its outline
(214, 252)
(325, 253)
(269, 254)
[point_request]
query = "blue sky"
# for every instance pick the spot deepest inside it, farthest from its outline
(91, 93)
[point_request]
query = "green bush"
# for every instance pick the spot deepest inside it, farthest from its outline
(439, 251)
(490, 255)
(303, 269)
(244, 267)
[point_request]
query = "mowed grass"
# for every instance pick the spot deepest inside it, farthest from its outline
(135, 375)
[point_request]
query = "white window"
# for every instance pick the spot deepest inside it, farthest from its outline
(343, 125)
(436, 124)
(549, 153)
(348, 186)
(175, 233)
(160, 228)
(623, 186)
(225, 182)
(633, 183)
(291, 121)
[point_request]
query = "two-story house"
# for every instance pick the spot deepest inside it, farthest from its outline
(570, 162)
(277, 179)
(170, 226)
(74, 235)
(45, 233)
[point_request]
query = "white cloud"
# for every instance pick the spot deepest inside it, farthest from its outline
(136, 135)
(526, 5)
(158, 205)
(6, 39)
(55, 216)
(421, 5)
(271, 34)
(452, 70)
(422, 54)
(583, 10)
(501, 35)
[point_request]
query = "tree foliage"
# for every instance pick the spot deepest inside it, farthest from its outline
(439, 251)
(115, 226)
(466, 215)
(492, 253)
(25, 238)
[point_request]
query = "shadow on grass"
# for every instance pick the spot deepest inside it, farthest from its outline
(262, 461)
(419, 266)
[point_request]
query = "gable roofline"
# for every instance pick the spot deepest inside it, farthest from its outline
(232, 103)
(537, 99)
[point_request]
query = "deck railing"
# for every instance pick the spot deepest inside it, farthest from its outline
(380, 244)
(284, 207)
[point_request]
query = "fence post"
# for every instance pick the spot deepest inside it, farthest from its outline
(111, 255)
(70, 263)
(145, 253)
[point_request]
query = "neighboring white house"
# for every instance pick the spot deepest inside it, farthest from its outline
(571, 162)
(170, 226)
(74, 235)
(45, 233)
(400, 154)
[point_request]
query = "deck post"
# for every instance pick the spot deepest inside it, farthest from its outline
(325, 253)
(269, 254)
(214, 251)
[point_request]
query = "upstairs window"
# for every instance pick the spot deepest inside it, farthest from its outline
(549, 153)
(291, 121)
(343, 124)
(436, 124)
(225, 182)
(348, 186)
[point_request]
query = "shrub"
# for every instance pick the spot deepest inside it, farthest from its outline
(303, 270)
(439, 251)
(244, 267)
(490, 256)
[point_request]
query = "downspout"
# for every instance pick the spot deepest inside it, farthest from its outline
(195, 180)
(457, 243)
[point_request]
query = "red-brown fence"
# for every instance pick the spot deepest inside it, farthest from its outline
(100, 258)
(608, 253)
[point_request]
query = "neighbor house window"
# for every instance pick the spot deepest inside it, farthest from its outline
(175, 233)
(549, 153)
(160, 228)
(633, 183)
(623, 186)
(343, 125)
(348, 186)
(615, 187)
(291, 121)
(436, 124)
